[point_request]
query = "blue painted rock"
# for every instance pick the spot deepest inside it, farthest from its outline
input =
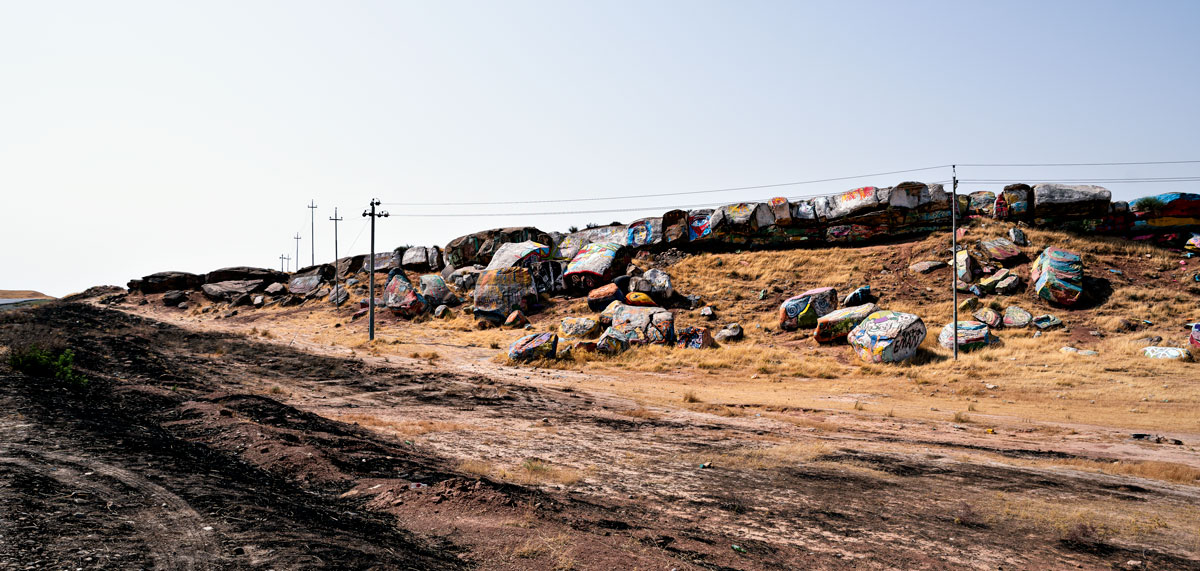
(804, 309)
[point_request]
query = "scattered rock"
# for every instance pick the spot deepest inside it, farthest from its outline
(731, 332)
(441, 311)
(1018, 237)
(988, 316)
(174, 298)
(1177, 353)
(578, 328)
(836, 325)
(927, 266)
(612, 342)
(887, 337)
(972, 335)
(859, 296)
(516, 319)
(708, 313)
(536, 346)
(695, 338)
(803, 310)
(1047, 322)
(1016, 317)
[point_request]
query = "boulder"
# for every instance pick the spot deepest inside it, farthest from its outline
(1000, 249)
(322, 292)
(441, 311)
(887, 337)
(1046, 322)
(1077, 351)
(244, 273)
(523, 254)
(259, 301)
(465, 278)
(548, 276)
(1018, 237)
(422, 259)
(516, 320)
(803, 310)
(606, 315)
(326, 271)
(304, 284)
(731, 332)
(612, 342)
(1177, 353)
(500, 292)
(1194, 338)
(166, 281)
(653, 325)
(989, 317)
(411, 305)
(603, 296)
(350, 265)
(835, 325)
(433, 287)
(695, 338)
(1193, 243)
(224, 291)
(275, 289)
(536, 346)
(595, 265)
(657, 284)
(570, 350)
(972, 335)
(1051, 201)
(927, 266)
(183, 305)
(339, 296)
(968, 267)
(241, 300)
(970, 304)
(1057, 276)
(384, 262)
(1016, 317)
(708, 313)
(478, 248)
(859, 296)
(578, 328)
(1009, 285)
(981, 203)
(639, 299)
(174, 298)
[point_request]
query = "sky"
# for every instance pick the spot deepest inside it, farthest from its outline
(138, 137)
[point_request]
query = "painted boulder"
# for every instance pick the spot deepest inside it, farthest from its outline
(595, 264)
(1057, 276)
(601, 297)
(612, 342)
(1016, 317)
(837, 324)
(972, 335)
(500, 292)
(887, 337)
(639, 299)
(578, 328)
(536, 346)
(859, 296)
(1177, 353)
(653, 325)
(1046, 322)
(804, 309)
(989, 317)
(927, 266)
(1194, 338)
(695, 338)
(1000, 249)
(967, 267)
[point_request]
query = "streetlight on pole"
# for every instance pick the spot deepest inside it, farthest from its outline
(335, 218)
(371, 269)
(954, 250)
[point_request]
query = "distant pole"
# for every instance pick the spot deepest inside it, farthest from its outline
(336, 285)
(282, 258)
(954, 248)
(297, 250)
(312, 235)
(371, 267)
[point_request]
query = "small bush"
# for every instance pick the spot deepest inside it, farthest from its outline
(37, 362)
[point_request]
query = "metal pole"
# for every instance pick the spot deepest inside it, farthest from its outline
(312, 234)
(371, 275)
(336, 285)
(954, 248)
(281, 266)
(297, 250)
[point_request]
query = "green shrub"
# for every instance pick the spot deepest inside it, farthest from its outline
(1150, 204)
(37, 362)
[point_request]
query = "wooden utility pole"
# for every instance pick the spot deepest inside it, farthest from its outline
(336, 284)
(954, 250)
(297, 250)
(371, 267)
(283, 260)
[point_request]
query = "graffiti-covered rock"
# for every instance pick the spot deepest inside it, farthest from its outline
(803, 310)
(835, 325)
(536, 346)
(887, 337)
(1057, 276)
(972, 335)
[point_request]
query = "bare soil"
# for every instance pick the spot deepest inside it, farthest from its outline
(195, 448)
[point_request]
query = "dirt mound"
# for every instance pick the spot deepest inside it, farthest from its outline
(23, 294)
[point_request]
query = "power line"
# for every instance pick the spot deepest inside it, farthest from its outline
(681, 193)
(1076, 164)
(1087, 180)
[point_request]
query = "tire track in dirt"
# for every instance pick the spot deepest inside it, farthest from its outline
(174, 533)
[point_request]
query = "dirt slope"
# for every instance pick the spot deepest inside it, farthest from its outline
(22, 294)
(243, 436)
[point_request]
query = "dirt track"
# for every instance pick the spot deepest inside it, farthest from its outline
(183, 456)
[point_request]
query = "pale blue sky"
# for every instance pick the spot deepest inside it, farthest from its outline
(138, 137)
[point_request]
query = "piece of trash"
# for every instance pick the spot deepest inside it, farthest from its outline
(417, 486)
(1118, 272)
(408, 442)
(739, 549)
(990, 431)
(706, 465)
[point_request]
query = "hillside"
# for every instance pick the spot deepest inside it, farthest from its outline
(22, 294)
(799, 454)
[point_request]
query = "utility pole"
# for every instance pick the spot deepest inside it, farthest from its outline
(336, 285)
(297, 250)
(954, 248)
(283, 260)
(312, 234)
(371, 270)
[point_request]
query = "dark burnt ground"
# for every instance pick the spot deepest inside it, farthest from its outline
(176, 436)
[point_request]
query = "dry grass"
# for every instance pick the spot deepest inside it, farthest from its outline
(405, 427)
(534, 471)
(1105, 520)
(788, 454)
